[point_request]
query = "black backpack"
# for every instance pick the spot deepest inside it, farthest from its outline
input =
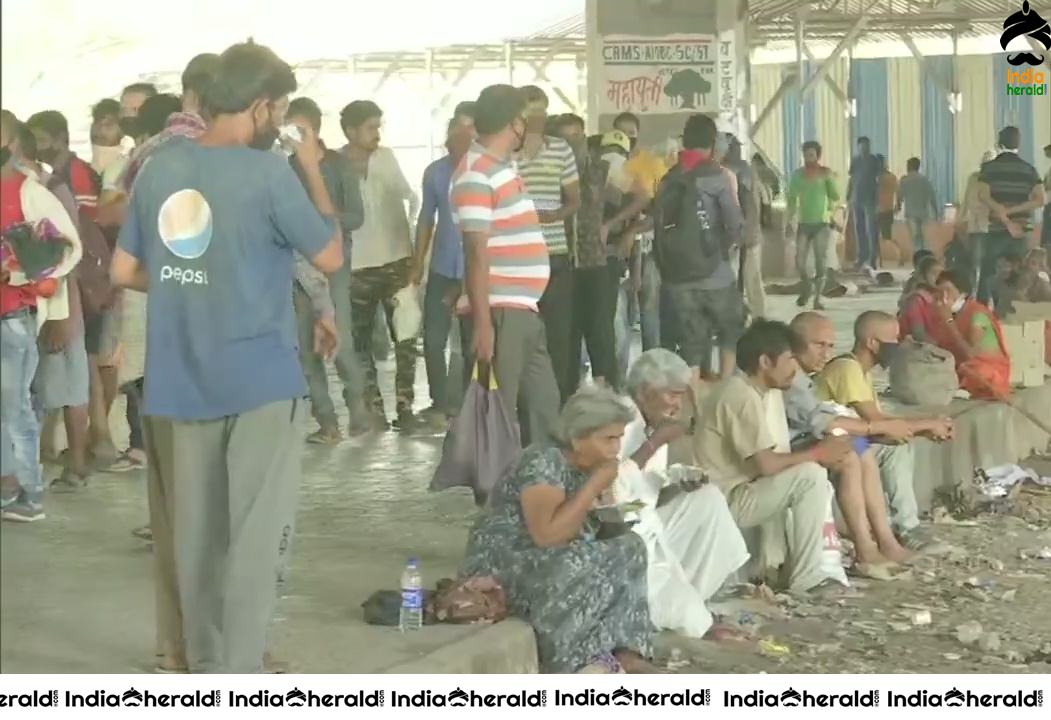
(684, 245)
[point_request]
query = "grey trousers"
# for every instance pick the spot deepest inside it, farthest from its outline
(348, 367)
(812, 238)
(895, 472)
(228, 515)
(523, 371)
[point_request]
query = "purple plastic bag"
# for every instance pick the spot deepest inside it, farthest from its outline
(482, 442)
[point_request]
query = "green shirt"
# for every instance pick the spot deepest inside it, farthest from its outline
(815, 194)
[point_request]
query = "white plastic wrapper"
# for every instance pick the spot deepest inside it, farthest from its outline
(408, 315)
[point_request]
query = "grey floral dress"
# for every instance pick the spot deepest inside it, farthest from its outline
(584, 599)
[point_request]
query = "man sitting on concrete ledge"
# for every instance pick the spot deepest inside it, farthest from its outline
(858, 489)
(742, 438)
(692, 542)
(846, 380)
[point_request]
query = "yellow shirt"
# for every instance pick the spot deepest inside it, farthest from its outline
(844, 381)
(732, 427)
(647, 169)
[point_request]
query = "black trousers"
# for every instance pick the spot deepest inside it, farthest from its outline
(593, 324)
(556, 308)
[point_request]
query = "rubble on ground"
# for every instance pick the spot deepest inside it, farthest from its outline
(980, 607)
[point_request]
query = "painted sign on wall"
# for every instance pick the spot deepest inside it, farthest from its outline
(658, 75)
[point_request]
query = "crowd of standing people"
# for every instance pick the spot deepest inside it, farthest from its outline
(209, 274)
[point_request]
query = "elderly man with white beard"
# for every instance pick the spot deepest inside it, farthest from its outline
(692, 542)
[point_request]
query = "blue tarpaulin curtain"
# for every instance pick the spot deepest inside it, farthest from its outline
(939, 132)
(868, 84)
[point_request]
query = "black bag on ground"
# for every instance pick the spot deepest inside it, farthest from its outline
(384, 608)
(684, 245)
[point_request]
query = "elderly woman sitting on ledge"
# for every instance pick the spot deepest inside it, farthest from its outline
(585, 597)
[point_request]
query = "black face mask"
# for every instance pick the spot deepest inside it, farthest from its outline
(129, 126)
(264, 138)
(886, 353)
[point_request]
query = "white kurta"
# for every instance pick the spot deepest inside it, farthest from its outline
(692, 543)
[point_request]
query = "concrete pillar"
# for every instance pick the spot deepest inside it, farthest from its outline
(658, 59)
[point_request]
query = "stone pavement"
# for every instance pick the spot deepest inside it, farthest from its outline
(76, 589)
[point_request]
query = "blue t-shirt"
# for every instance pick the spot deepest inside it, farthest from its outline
(215, 228)
(865, 172)
(447, 249)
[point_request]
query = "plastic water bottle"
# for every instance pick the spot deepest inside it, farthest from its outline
(411, 615)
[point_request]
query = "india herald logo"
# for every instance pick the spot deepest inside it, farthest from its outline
(1026, 22)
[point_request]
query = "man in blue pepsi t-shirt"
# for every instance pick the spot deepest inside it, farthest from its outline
(210, 234)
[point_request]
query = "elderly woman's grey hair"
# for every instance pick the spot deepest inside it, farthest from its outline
(590, 408)
(659, 369)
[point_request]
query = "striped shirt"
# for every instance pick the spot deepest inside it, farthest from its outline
(553, 167)
(488, 198)
(1011, 181)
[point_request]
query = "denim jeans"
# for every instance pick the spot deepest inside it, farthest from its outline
(437, 323)
(866, 232)
(347, 363)
(19, 426)
(649, 303)
(133, 393)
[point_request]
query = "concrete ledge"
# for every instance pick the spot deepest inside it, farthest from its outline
(508, 647)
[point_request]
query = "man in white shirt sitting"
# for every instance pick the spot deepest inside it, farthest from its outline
(692, 542)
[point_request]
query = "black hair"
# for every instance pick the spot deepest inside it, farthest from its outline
(307, 109)
(356, 113)
(464, 109)
(769, 338)
(627, 117)
(154, 113)
(925, 265)
(107, 107)
(571, 119)
(699, 133)
(918, 256)
(497, 107)
(52, 122)
(864, 140)
(532, 93)
(142, 88)
(813, 145)
(1010, 138)
(912, 164)
(247, 73)
(961, 281)
(1012, 256)
(26, 140)
(200, 74)
(881, 159)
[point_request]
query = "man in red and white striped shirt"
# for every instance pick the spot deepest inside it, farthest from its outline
(507, 263)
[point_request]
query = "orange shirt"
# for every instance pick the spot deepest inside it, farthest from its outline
(888, 188)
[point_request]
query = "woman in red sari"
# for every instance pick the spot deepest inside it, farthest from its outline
(973, 334)
(917, 318)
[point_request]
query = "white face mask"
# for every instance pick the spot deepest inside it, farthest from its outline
(1043, 276)
(958, 305)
